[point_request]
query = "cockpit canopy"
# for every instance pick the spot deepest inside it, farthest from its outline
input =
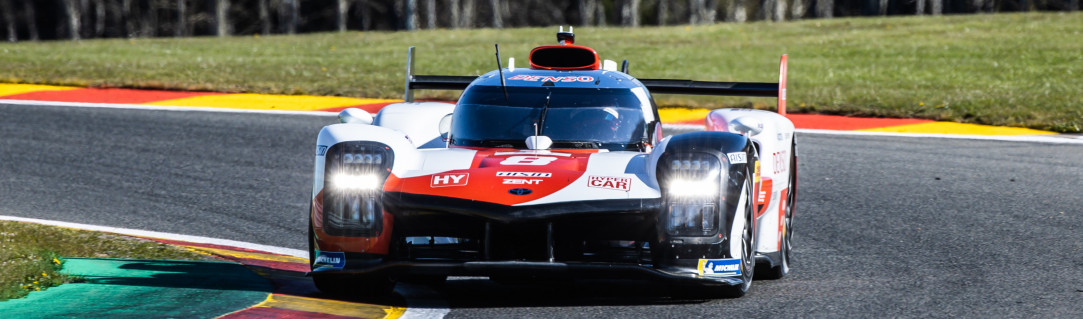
(588, 118)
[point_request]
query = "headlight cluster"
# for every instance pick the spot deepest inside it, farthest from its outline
(692, 193)
(353, 178)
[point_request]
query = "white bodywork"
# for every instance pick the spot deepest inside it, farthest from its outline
(418, 120)
(774, 136)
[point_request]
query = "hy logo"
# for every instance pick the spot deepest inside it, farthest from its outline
(446, 180)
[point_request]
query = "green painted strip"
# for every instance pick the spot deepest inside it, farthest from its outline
(118, 288)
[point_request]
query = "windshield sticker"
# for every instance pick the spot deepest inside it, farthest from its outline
(645, 104)
(536, 78)
(607, 182)
(523, 174)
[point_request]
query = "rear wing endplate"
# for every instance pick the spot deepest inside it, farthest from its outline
(431, 82)
(655, 86)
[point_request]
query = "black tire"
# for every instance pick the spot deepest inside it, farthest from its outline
(369, 287)
(311, 238)
(786, 247)
(748, 242)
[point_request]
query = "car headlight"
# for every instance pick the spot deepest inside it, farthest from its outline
(351, 182)
(692, 175)
(692, 188)
(354, 176)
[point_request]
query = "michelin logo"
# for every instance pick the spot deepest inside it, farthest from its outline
(328, 259)
(720, 267)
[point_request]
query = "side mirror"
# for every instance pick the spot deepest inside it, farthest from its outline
(538, 142)
(445, 127)
(355, 116)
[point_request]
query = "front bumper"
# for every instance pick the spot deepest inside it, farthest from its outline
(400, 269)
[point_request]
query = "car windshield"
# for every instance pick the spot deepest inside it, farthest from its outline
(574, 118)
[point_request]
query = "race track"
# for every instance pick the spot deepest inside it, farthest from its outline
(886, 226)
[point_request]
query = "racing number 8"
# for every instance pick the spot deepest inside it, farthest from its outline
(528, 160)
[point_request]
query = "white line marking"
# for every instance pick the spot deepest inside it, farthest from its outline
(168, 236)
(422, 302)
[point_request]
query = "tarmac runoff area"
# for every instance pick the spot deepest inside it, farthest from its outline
(264, 282)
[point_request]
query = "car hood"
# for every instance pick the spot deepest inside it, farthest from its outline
(527, 177)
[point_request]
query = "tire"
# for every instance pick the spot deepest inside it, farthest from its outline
(311, 238)
(786, 245)
(370, 287)
(748, 244)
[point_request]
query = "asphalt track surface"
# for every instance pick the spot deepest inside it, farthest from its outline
(886, 226)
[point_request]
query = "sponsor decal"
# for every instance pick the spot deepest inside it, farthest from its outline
(329, 259)
(737, 158)
(781, 161)
(521, 181)
(607, 182)
(537, 78)
(720, 267)
(520, 191)
(446, 180)
(321, 150)
(523, 174)
(528, 160)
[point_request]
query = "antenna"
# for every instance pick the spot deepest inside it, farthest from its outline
(540, 124)
(500, 69)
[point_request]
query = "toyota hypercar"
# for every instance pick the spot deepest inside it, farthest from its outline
(558, 169)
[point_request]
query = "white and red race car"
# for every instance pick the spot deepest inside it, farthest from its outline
(557, 169)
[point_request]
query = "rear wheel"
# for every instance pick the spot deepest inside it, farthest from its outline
(786, 244)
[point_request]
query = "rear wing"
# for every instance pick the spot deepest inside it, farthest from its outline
(655, 86)
(764, 89)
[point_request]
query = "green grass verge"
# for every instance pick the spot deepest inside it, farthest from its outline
(1002, 69)
(31, 255)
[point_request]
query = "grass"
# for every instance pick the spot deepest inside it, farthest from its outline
(31, 255)
(1001, 69)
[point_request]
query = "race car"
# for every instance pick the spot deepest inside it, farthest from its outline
(556, 170)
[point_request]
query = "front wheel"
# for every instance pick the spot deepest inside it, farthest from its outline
(748, 244)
